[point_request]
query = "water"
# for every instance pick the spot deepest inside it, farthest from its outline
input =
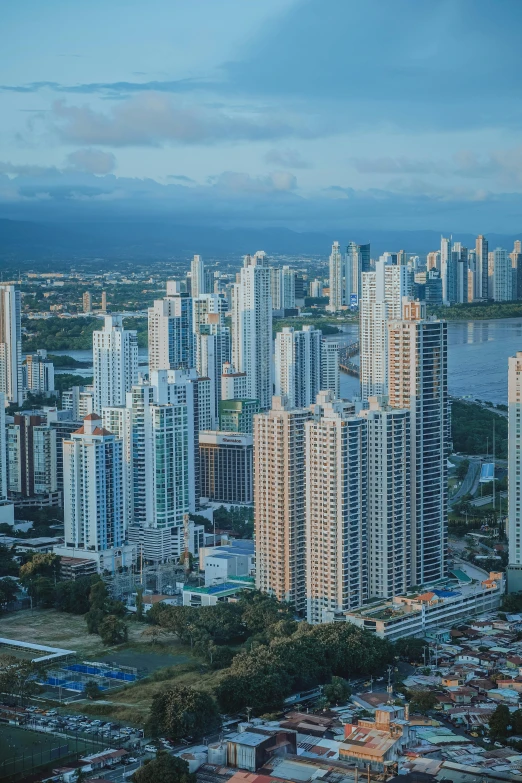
(478, 354)
(477, 358)
(86, 356)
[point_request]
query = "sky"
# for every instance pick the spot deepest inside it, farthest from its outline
(309, 114)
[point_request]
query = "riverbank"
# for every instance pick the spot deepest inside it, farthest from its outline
(478, 311)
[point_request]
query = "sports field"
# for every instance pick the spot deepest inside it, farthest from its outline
(22, 749)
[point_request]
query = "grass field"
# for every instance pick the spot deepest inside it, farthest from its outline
(21, 749)
(167, 662)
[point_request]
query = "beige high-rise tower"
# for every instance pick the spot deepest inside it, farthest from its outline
(279, 502)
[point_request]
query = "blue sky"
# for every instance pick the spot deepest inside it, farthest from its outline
(386, 114)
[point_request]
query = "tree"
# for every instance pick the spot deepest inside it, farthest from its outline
(422, 700)
(40, 564)
(101, 605)
(337, 691)
(8, 564)
(164, 769)
(410, 648)
(153, 632)
(113, 630)
(91, 690)
(8, 590)
(183, 711)
(139, 604)
(73, 596)
(499, 721)
(18, 678)
(43, 589)
(516, 722)
(260, 610)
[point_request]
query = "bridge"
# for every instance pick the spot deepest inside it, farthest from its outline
(345, 354)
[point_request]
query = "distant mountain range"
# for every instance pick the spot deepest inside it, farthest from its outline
(30, 243)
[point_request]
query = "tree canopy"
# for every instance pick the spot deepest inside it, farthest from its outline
(183, 711)
(164, 769)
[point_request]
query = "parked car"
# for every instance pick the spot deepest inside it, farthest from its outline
(151, 748)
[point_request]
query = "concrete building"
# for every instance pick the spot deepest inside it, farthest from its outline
(336, 487)
(211, 595)
(79, 400)
(481, 276)
(11, 381)
(389, 499)
(197, 277)
(337, 298)
(171, 335)
(376, 745)
(87, 302)
(298, 365)
(237, 415)
(160, 473)
(213, 351)
(515, 467)
(220, 563)
(226, 466)
(252, 343)
(38, 373)
(233, 383)
(32, 459)
(280, 502)
(6, 508)
(382, 294)
(516, 263)
(282, 288)
(418, 382)
(502, 276)
(93, 497)
(115, 359)
(330, 376)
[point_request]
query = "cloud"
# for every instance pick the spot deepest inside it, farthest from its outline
(27, 170)
(502, 166)
(92, 161)
(400, 165)
(153, 119)
(282, 181)
(180, 178)
(289, 159)
(111, 88)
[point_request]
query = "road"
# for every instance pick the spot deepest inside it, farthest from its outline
(484, 501)
(468, 484)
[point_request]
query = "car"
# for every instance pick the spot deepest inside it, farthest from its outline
(151, 749)
(498, 744)
(52, 712)
(132, 760)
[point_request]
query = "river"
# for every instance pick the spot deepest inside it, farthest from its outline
(477, 358)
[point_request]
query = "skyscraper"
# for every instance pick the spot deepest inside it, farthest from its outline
(298, 365)
(252, 327)
(516, 263)
(93, 494)
(282, 288)
(382, 294)
(502, 276)
(213, 350)
(6, 508)
(417, 373)
(515, 469)
(336, 486)
(11, 345)
(38, 373)
(233, 383)
(357, 261)
(447, 271)
(459, 293)
(481, 276)
(32, 458)
(336, 301)
(171, 335)
(115, 359)
(197, 277)
(389, 499)
(160, 470)
(279, 502)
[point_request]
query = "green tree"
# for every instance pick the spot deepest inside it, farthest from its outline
(260, 611)
(113, 630)
(91, 690)
(73, 595)
(499, 721)
(164, 769)
(422, 700)
(18, 678)
(8, 564)
(40, 564)
(43, 589)
(410, 648)
(181, 712)
(338, 691)
(8, 590)
(516, 722)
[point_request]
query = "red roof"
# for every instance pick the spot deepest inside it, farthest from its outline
(91, 417)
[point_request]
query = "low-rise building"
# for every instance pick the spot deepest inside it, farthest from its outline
(377, 743)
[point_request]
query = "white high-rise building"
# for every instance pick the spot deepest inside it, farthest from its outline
(171, 331)
(38, 373)
(481, 276)
(446, 270)
(389, 499)
(330, 376)
(186, 387)
(197, 276)
(298, 365)
(118, 421)
(282, 282)
(79, 400)
(213, 349)
(93, 496)
(208, 304)
(382, 294)
(515, 466)
(11, 381)
(337, 300)
(279, 502)
(160, 466)
(6, 508)
(460, 258)
(336, 510)
(418, 381)
(502, 276)
(233, 384)
(252, 328)
(115, 358)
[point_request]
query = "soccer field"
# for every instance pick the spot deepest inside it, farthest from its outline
(21, 749)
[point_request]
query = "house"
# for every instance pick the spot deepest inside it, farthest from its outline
(462, 695)
(251, 749)
(514, 685)
(377, 743)
(513, 661)
(504, 695)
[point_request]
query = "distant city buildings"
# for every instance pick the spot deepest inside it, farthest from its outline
(115, 359)
(11, 378)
